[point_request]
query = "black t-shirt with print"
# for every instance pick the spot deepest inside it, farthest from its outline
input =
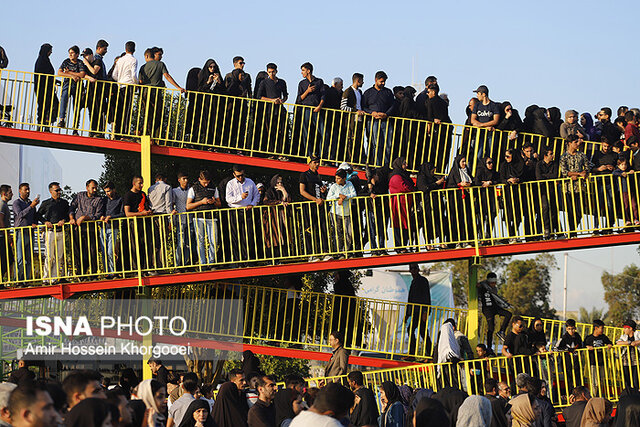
(599, 341)
(312, 183)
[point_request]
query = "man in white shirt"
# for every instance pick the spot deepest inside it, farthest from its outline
(125, 73)
(341, 193)
(242, 193)
(332, 403)
(177, 410)
(185, 240)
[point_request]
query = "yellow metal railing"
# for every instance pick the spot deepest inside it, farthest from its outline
(266, 235)
(253, 127)
(605, 371)
(296, 317)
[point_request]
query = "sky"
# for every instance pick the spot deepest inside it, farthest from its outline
(565, 54)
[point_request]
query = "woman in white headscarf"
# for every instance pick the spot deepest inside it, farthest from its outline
(448, 352)
(475, 411)
(154, 396)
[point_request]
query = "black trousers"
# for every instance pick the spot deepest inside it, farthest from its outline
(490, 314)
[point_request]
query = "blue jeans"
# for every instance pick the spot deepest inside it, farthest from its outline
(379, 143)
(312, 131)
(70, 91)
(24, 255)
(108, 238)
(377, 227)
(184, 241)
(207, 236)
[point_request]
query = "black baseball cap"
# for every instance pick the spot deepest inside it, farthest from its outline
(482, 89)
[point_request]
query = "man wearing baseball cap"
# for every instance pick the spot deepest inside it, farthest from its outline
(630, 338)
(485, 115)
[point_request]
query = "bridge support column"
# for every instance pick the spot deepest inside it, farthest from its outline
(145, 160)
(144, 296)
(472, 298)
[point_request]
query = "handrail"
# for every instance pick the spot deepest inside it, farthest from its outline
(297, 317)
(606, 371)
(208, 121)
(300, 231)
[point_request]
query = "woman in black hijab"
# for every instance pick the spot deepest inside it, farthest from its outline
(511, 173)
(283, 403)
(430, 217)
(203, 103)
(486, 177)
(511, 125)
(250, 363)
(91, 412)
(231, 407)
(44, 87)
(542, 125)
(555, 117)
(236, 108)
(276, 220)
(430, 413)
(459, 201)
(197, 414)
(451, 398)
(527, 123)
(393, 406)
(628, 412)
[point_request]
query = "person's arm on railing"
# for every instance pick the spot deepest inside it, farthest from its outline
(173, 82)
(128, 212)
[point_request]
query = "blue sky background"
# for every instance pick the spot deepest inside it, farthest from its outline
(564, 54)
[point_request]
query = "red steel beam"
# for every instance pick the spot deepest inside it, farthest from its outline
(66, 290)
(101, 145)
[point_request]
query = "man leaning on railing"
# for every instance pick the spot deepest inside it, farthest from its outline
(630, 340)
(53, 213)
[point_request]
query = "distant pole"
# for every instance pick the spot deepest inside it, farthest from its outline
(564, 304)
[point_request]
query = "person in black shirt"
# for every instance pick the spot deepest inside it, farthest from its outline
(421, 98)
(596, 361)
(112, 226)
(440, 131)
(94, 90)
(274, 90)
(492, 305)
(314, 216)
(53, 213)
(334, 121)
(73, 70)
(379, 102)
(516, 342)
(578, 399)
(604, 162)
(308, 119)
(160, 373)
(419, 297)
(263, 413)
(498, 406)
(365, 412)
(136, 206)
(547, 170)
(569, 343)
(378, 209)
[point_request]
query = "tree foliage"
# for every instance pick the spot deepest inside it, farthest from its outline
(527, 285)
(622, 293)
(588, 316)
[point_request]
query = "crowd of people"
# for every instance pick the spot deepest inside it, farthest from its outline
(250, 397)
(319, 128)
(524, 199)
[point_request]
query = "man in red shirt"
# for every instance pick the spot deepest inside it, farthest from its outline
(632, 125)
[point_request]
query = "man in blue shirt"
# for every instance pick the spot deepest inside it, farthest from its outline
(24, 211)
(311, 95)
(379, 102)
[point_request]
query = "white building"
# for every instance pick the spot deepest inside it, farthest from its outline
(35, 165)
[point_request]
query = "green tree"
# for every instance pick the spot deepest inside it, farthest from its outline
(621, 292)
(586, 316)
(528, 284)
(272, 365)
(460, 275)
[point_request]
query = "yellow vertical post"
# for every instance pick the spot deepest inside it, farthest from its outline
(472, 316)
(144, 292)
(145, 160)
